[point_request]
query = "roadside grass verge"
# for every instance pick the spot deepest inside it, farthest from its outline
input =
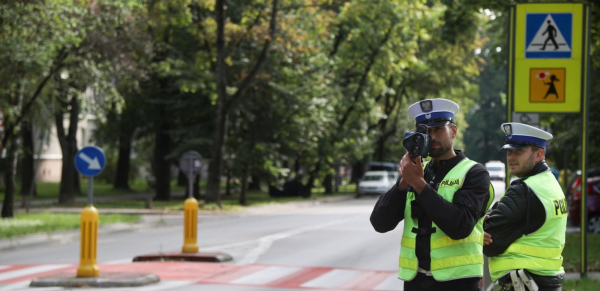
(584, 284)
(29, 223)
(572, 252)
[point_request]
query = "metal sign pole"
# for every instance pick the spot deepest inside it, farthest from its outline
(91, 191)
(190, 177)
(584, 138)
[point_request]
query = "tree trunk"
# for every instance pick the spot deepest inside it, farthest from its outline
(162, 148)
(216, 160)
(223, 102)
(27, 163)
(358, 169)
(228, 184)
(244, 189)
(327, 183)
(9, 177)
(124, 161)
(68, 145)
(255, 183)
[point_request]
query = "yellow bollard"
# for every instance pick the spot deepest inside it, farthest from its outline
(89, 243)
(190, 223)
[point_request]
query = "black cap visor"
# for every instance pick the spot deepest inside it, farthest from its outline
(519, 145)
(438, 122)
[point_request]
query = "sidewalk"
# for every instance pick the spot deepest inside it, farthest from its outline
(150, 219)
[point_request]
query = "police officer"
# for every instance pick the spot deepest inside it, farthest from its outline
(442, 240)
(525, 230)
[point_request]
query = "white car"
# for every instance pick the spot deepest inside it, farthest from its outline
(376, 182)
(496, 169)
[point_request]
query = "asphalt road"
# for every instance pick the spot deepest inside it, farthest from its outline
(334, 237)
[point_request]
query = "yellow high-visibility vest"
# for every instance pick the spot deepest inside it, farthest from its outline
(450, 259)
(540, 252)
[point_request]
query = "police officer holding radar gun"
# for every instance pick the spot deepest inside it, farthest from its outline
(525, 230)
(442, 203)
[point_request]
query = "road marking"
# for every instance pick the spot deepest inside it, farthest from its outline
(115, 262)
(30, 271)
(391, 283)
(332, 279)
(265, 242)
(266, 276)
(5, 267)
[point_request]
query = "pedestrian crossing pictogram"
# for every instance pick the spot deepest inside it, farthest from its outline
(547, 85)
(549, 35)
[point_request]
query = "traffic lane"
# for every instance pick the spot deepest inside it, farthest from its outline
(351, 244)
(212, 233)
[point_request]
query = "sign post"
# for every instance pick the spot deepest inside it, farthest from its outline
(89, 161)
(548, 72)
(190, 163)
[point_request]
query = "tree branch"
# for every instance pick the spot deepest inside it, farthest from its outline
(259, 63)
(62, 55)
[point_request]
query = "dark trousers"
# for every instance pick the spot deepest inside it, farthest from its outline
(423, 282)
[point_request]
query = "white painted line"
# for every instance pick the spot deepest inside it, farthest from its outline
(332, 279)
(116, 262)
(5, 267)
(265, 242)
(266, 276)
(391, 283)
(30, 271)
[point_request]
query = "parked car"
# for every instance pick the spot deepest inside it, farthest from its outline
(497, 170)
(376, 182)
(593, 201)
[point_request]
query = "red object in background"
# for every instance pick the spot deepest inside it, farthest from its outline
(593, 202)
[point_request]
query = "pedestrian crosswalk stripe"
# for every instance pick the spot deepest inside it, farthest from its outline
(266, 276)
(332, 279)
(177, 274)
(391, 283)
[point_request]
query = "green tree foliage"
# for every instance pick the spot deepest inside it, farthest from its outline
(272, 90)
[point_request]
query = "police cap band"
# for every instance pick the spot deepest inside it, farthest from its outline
(433, 112)
(519, 135)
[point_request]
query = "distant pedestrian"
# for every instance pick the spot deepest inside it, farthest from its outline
(525, 230)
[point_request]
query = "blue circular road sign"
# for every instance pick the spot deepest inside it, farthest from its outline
(90, 161)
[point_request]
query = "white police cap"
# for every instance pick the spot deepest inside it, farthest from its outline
(520, 135)
(433, 112)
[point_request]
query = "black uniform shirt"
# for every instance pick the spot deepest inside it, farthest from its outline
(457, 218)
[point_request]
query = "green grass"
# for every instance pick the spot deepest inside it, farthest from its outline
(585, 284)
(24, 223)
(28, 223)
(572, 252)
(49, 190)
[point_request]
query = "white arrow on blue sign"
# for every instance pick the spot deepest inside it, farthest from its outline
(90, 161)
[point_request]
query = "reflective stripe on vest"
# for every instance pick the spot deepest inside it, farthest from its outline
(450, 259)
(538, 252)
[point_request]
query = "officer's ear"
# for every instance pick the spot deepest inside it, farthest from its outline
(454, 129)
(539, 154)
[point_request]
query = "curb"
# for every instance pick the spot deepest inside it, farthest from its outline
(103, 280)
